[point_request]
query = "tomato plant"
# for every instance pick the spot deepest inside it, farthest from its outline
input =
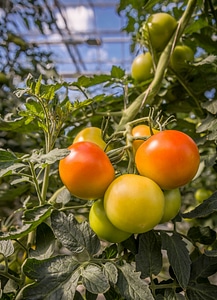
(86, 171)
(170, 158)
(141, 130)
(91, 134)
(158, 29)
(142, 67)
(101, 225)
(172, 204)
(134, 203)
(181, 57)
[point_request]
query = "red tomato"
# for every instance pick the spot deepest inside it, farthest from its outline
(86, 171)
(170, 158)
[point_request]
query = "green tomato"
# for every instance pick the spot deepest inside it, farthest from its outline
(158, 29)
(181, 57)
(142, 67)
(101, 225)
(172, 204)
(202, 194)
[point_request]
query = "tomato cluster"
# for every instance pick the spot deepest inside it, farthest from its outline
(156, 32)
(130, 203)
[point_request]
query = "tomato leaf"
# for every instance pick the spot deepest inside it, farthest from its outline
(77, 237)
(206, 208)
(201, 291)
(203, 267)
(111, 272)
(45, 242)
(57, 278)
(131, 286)
(6, 248)
(94, 279)
(202, 235)
(117, 72)
(149, 257)
(178, 256)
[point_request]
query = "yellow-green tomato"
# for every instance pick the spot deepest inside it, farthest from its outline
(181, 57)
(202, 194)
(134, 203)
(172, 204)
(158, 29)
(142, 67)
(101, 225)
(91, 134)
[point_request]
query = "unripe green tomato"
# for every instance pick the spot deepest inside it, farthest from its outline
(101, 225)
(202, 194)
(158, 29)
(142, 67)
(172, 204)
(180, 58)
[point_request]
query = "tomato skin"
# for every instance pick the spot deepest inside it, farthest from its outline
(180, 57)
(141, 130)
(91, 134)
(101, 225)
(159, 28)
(170, 158)
(202, 194)
(142, 67)
(134, 203)
(172, 204)
(86, 171)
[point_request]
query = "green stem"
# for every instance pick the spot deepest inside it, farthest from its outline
(148, 95)
(9, 276)
(35, 181)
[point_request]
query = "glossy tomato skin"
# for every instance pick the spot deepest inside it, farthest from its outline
(134, 203)
(101, 225)
(86, 171)
(180, 58)
(202, 194)
(170, 158)
(91, 134)
(159, 28)
(173, 202)
(142, 67)
(141, 130)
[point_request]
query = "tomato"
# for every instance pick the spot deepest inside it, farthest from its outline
(142, 67)
(180, 58)
(134, 203)
(170, 158)
(86, 171)
(158, 29)
(172, 205)
(202, 194)
(91, 134)
(141, 130)
(101, 225)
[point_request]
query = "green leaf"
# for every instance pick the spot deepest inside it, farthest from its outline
(203, 267)
(7, 195)
(131, 286)
(11, 169)
(37, 215)
(210, 106)
(77, 237)
(202, 291)
(149, 257)
(18, 125)
(196, 26)
(111, 272)
(202, 235)
(57, 278)
(50, 157)
(45, 242)
(205, 209)
(6, 248)
(94, 279)
(178, 256)
(7, 158)
(117, 72)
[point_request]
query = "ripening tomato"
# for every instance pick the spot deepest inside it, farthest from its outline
(141, 130)
(181, 57)
(91, 134)
(101, 225)
(158, 29)
(171, 158)
(134, 203)
(86, 171)
(172, 204)
(142, 67)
